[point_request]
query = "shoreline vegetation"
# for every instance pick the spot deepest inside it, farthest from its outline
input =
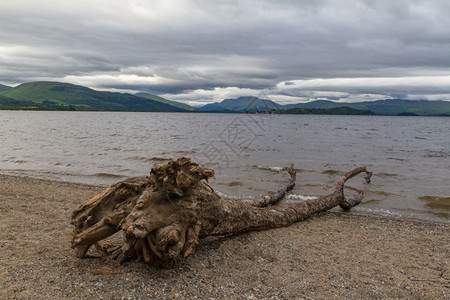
(58, 96)
(333, 255)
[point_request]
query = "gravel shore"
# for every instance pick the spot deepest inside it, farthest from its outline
(330, 256)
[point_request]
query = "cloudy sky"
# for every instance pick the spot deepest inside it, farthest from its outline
(204, 51)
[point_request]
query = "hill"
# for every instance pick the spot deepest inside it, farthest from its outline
(343, 110)
(241, 104)
(316, 104)
(8, 103)
(399, 106)
(385, 107)
(163, 100)
(60, 96)
(380, 107)
(4, 88)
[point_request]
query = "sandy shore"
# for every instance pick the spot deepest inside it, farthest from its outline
(334, 255)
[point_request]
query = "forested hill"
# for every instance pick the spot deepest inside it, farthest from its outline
(4, 88)
(61, 96)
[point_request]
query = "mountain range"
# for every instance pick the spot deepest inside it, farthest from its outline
(45, 95)
(379, 107)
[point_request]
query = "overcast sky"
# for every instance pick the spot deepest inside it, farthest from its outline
(203, 51)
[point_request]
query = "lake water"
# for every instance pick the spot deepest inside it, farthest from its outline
(410, 156)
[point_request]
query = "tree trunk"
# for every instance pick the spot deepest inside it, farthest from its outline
(163, 216)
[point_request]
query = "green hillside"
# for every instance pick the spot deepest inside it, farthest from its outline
(399, 106)
(58, 95)
(325, 111)
(385, 107)
(169, 102)
(4, 88)
(13, 104)
(8, 103)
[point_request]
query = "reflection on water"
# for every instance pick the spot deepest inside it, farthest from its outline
(410, 156)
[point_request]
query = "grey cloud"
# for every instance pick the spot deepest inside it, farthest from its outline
(203, 45)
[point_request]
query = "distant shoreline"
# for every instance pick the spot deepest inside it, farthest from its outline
(49, 96)
(224, 112)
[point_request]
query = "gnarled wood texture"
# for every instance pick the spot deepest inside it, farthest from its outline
(163, 216)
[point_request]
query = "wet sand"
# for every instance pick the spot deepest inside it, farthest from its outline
(332, 255)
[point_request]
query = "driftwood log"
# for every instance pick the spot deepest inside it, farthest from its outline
(163, 216)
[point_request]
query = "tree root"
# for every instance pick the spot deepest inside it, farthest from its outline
(163, 216)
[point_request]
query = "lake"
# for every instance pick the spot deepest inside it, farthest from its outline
(410, 156)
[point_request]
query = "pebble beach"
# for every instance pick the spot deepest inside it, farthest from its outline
(335, 255)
